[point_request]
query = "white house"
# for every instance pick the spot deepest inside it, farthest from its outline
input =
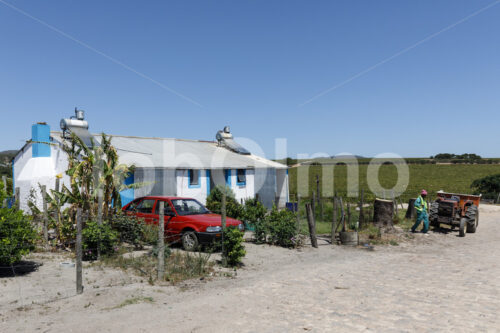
(167, 167)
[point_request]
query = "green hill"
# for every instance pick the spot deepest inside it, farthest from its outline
(6, 162)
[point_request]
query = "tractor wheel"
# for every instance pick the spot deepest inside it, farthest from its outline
(433, 214)
(463, 227)
(472, 216)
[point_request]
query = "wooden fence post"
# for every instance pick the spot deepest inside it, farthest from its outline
(45, 216)
(79, 285)
(348, 217)
(57, 213)
(321, 209)
(58, 184)
(161, 241)
(223, 225)
(17, 198)
(361, 212)
(313, 204)
(99, 206)
(298, 212)
(342, 213)
(4, 180)
(57, 189)
(312, 225)
(334, 219)
(99, 218)
(395, 203)
(318, 194)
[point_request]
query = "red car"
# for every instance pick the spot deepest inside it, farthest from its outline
(184, 218)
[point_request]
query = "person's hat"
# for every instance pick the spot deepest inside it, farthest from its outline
(424, 192)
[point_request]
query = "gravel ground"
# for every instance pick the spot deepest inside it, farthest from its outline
(438, 282)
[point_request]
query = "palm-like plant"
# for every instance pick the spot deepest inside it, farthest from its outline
(96, 175)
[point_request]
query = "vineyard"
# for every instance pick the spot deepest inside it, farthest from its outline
(432, 177)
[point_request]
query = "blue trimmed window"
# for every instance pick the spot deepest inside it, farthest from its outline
(194, 178)
(241, 177)
(227, 176)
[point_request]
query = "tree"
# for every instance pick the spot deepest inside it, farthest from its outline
(96, 177)
(488, 186)
(290, 161)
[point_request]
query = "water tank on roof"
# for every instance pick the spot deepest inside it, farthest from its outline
(225, 139)
(79, 126)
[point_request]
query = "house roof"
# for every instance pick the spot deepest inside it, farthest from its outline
(180, 154)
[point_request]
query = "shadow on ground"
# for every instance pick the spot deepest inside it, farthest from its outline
(19, 269)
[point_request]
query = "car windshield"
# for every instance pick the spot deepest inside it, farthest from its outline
(189, 207)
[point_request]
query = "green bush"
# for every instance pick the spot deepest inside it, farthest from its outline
(488, 186)
(234, 250)
(3, 194)
(282, 226)
(254, 213)
(130, 229)
(17, 236)
(214, 202)
(100, 237)
(150, 234)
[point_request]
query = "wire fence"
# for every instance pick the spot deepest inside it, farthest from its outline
(45, 277)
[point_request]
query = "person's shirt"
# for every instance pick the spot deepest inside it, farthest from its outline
(420, 204)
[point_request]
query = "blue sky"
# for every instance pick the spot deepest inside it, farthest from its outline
(253, 65)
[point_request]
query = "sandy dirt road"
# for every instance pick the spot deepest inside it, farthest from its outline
(433, 283)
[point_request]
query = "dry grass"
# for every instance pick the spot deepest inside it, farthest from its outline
(179, 266)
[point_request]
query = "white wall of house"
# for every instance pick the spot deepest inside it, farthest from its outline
(200, 193)
(243, 191)
(282, 187)
(31, 172)
(185, 190)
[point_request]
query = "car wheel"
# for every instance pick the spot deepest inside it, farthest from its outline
(189, 241)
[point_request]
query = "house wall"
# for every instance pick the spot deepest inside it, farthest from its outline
(156, 181)
(265, 186)
(242, 192)
(199, 192)
(30, 172)
(282, 187)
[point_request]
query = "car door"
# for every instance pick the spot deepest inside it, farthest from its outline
(144, 210)
(168, 217)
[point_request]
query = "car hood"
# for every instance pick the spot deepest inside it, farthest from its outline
(209, 219)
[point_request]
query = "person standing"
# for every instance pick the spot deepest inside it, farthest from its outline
(422, 215)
